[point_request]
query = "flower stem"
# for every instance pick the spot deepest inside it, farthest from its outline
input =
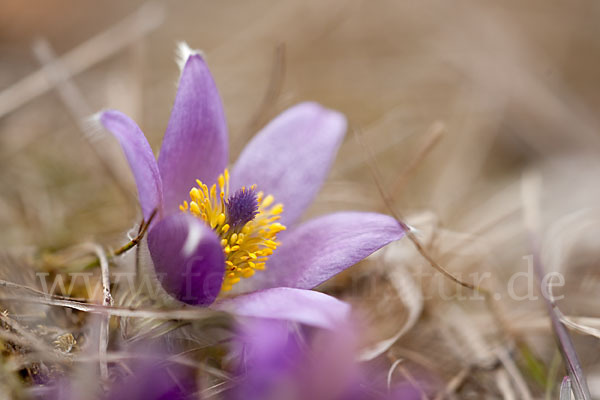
(127, 246)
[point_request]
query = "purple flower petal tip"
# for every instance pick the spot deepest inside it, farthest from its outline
(195, 142)
(321, 248)
(139, 156)
(188, 259)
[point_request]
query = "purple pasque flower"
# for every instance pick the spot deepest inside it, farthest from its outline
(273, 362)
(215, 228)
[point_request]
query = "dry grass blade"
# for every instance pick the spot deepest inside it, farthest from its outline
(390, 373)
(178, 313)
(106, 301)
(30, 290)
(531, 189)
(578, 326)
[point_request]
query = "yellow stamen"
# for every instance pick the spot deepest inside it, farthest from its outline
(268, 201)
(194, 208)
(248, 247)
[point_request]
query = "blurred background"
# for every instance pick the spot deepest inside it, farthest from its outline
(465, 107)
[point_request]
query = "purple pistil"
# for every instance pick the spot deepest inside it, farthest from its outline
(242, 207)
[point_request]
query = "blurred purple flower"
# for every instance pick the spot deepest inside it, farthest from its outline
(277, 363)
(207, 245)
(148, 376)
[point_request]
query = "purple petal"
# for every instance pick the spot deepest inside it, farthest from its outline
(265, 353)
(188, 259)
(303, 306)
(195, 143)
(261, 342)
(323, 247)
(140, 157)
(291, 156)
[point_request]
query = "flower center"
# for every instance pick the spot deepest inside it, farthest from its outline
(245, 222)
